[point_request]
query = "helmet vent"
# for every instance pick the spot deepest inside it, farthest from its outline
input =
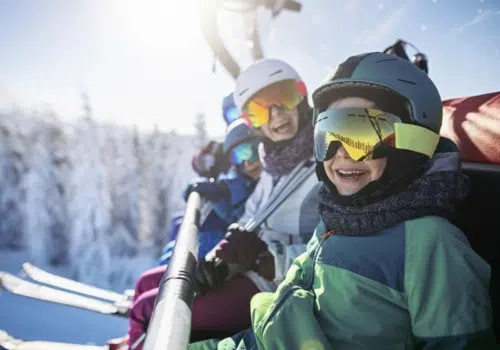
(276, 72)
(386, 60)
(424, 115)
(408, 81)
(243, 92)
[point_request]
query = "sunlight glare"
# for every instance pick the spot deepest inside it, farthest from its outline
(160, 24)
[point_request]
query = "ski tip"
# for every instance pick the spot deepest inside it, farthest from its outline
(27, 266)
(7, 342)
(2, 276)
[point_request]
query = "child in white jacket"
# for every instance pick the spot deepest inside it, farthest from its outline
(272, 98)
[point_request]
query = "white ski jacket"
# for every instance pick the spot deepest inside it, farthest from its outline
(288, 229)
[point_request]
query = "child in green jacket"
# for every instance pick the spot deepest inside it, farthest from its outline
(386, 268)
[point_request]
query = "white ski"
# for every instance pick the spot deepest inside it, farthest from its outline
(8, 342)
(33, 290)
(42, 276)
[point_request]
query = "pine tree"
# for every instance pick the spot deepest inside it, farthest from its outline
(44, 210)
(201, 131)
(12, 165)
(89, 205)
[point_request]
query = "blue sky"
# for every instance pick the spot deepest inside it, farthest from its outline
(143, 63)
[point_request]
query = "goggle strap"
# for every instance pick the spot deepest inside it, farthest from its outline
(301, 87)
(416, 138)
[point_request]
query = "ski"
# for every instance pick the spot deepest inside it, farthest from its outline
(33, 290)
(42, 276)
(8, 342)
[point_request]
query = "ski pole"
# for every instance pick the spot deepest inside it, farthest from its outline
(281, 193)
(138, 341)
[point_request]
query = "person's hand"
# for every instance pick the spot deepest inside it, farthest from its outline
(265, 266)
(210, 161)
(241, 247)
(209, 189)
(210, 275)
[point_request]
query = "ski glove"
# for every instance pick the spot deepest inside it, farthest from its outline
(240, 247)
(210, 161)
(208, 189)
(210, 274)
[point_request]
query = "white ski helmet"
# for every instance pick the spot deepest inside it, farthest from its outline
(260, 75)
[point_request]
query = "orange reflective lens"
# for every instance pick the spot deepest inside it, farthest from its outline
(283, 94)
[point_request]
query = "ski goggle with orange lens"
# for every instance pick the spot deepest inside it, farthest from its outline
(366, 134)
(285, 94)
(246, 151)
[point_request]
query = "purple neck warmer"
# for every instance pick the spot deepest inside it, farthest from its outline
(279, 161)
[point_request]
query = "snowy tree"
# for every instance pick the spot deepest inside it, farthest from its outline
(89, 207)
(61, 167)
(154, 177)
(171, 173)
(145, 190)
(11, 170)
(44, 207)
(95, 196)
(120, 161)
(200, 128)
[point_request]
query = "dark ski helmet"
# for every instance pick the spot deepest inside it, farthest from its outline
(386, 76)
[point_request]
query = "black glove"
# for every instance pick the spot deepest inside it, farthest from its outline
(211, 160)
(241, 247)
(211, 190)
(210, 274)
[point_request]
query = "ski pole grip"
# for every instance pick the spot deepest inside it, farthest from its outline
(170, 325)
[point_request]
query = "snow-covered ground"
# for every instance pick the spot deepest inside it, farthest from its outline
(32, 319)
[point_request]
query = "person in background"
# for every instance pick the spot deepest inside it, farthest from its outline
(273, 99)
(209, 162)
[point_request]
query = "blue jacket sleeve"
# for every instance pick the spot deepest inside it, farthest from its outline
(231, 208)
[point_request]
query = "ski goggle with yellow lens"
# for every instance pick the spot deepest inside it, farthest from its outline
(285, 94)
(366, 134)
(246, 151)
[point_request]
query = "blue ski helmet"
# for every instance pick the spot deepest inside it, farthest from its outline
(237, 134)
(229, 110)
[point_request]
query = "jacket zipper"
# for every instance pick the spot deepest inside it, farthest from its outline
(285, 294)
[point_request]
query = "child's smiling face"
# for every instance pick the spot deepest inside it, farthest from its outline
(350, 176)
